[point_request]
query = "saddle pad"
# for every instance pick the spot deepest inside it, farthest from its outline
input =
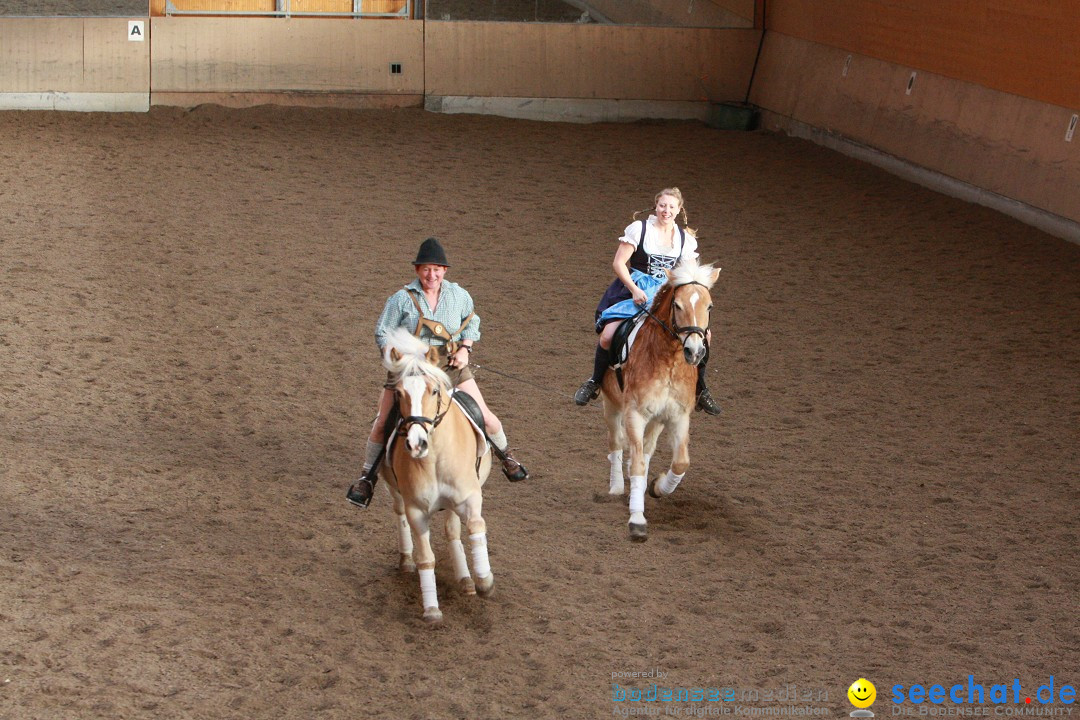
(468, 405)
(624, 338)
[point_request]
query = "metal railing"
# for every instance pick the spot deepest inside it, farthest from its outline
(284, 9)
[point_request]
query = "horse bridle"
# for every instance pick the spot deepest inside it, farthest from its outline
(675, 330)
(410, 420)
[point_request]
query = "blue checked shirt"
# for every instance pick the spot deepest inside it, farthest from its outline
(455, 304)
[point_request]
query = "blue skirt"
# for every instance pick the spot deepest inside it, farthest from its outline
(616, 305)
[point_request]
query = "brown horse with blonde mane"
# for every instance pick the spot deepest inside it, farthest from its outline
(657, 392)
(437, 460)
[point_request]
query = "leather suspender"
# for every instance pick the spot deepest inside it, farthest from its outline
(436, 328)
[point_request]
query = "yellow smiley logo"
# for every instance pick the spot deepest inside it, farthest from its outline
(862, 693)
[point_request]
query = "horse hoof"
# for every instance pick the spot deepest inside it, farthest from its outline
(652, 490)
(639, 532)
(468, 587)
(432, 615)
(406, 564)
(485, 585)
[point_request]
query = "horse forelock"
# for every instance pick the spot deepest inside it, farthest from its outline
(690, 271)
(412, 359)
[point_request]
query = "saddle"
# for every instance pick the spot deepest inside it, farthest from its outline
(472, 411)
(622, 341)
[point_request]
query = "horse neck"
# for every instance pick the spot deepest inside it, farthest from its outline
(658, 347)
(655, 334)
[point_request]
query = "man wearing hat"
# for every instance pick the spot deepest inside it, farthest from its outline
(441, 314)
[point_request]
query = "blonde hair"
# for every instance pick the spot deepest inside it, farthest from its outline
(677, 194)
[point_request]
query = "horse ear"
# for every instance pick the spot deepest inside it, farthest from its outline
(715, 276)
(395, 356)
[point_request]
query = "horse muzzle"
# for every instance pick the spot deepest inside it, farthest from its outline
(415, 430)
(416, 442)
(693, 349)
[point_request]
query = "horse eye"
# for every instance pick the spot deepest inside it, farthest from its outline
(678, 306)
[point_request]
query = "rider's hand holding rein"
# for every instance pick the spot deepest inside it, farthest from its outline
(460, 358)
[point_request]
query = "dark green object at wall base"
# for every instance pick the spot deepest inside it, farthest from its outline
(733, 116)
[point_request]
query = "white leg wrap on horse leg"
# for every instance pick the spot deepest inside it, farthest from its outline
(637, 493)
(616, 484)
(668, 483)
(427, 588)
(480, 564)
(404, 536)
(457, 552)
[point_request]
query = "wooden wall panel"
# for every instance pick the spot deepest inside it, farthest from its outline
(1001, 142)
(259, 55)
(1029, 48)
(588, 61)
(72, 55)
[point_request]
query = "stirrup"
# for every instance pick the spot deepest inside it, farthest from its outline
(361, 493)
(705, 402)
(589, 390)
(512, 469)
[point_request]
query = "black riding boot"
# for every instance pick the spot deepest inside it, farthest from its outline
(704, 399)
(590, 389)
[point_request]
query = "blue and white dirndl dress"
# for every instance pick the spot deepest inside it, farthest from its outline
(626, 308)
(646, 270)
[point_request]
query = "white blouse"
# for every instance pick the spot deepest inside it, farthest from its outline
(632, 236)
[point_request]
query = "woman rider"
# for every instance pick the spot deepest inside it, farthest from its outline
(650, 247)
(441, 313)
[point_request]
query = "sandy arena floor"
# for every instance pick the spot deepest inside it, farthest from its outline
(188, 375)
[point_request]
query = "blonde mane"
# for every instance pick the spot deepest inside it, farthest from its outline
(412, 358)
(689, 271)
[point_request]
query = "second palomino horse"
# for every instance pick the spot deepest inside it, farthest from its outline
(437, 460)
(657, 389)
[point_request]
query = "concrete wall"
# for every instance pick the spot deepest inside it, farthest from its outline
(74, 64)
(981, 119)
